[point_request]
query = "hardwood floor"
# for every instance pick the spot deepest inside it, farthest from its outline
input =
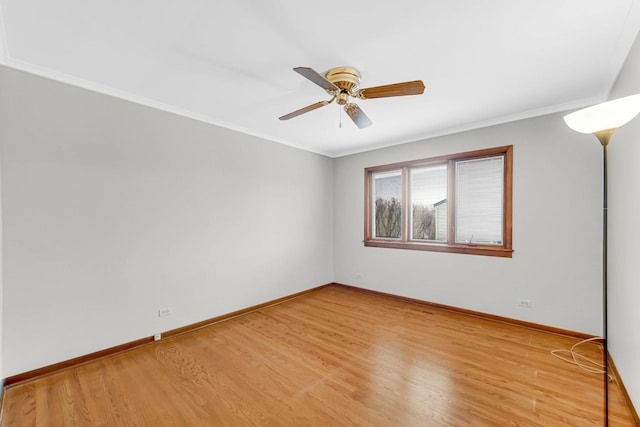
(334, 357)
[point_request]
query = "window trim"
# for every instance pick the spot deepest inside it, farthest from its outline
(504, 250)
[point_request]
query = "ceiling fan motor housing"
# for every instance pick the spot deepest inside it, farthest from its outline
(345, 78)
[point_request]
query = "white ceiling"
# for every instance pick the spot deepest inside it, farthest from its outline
(230, 62)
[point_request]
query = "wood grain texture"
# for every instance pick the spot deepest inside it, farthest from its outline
(415, 87)
(46, 370)
(623, 391)
(486, 316)
(35, 373)
(334, 357)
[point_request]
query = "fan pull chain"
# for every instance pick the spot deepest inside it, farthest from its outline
(340, 117)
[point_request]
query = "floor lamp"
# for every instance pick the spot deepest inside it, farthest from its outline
(603, 120)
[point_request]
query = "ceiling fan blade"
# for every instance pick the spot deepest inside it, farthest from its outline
(317, 78)
(415, 87)
(357, 115)
(305, 110)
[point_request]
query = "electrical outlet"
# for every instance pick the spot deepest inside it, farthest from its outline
(166, 311)
(157, 337)
(525, 303)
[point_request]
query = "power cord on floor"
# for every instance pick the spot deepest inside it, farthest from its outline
(580, 360)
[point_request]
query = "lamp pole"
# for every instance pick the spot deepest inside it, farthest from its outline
(602, 120)
(604, 137)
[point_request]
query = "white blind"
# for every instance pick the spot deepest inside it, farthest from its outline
(479, 200)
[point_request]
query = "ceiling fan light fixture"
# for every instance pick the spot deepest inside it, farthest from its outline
(343, 98)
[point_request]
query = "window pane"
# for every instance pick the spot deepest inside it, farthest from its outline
(479, 200)
(429, 203)
(387, 196)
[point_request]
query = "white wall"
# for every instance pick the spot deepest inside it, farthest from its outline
(112, 210)
(1, 260)
(556, 231)
(624, 236)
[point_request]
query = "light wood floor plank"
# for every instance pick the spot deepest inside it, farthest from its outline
(334, 357)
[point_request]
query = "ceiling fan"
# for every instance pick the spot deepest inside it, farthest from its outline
(343, 83)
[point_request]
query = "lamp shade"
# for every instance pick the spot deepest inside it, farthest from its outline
(608, 115)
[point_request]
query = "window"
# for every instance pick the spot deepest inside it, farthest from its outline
(456, 203)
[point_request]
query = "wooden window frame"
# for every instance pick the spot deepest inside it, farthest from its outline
(505, 250)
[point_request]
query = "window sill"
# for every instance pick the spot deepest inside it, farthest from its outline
(485, 250)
